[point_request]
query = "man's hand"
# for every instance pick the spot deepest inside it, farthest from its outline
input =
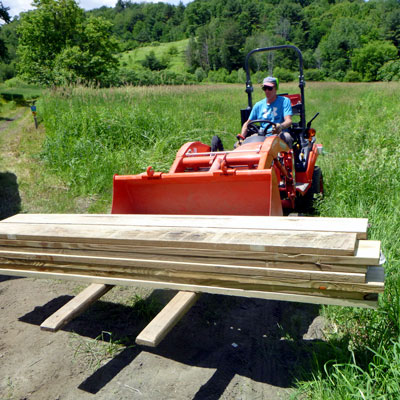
(277, 129)
(239, 142)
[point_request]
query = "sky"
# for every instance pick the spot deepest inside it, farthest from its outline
(17, 6)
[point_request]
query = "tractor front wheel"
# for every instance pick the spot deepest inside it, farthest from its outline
(306, 204)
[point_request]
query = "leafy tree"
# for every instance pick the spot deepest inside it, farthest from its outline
(4, 16)
(98, 47)
(91, 59)
(392, 26)
(56, 42)
(337, 47)
(153, 63)
(390, 71)
(369, 59)
(44, 33)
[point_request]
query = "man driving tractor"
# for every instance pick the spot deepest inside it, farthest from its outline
(274, 108)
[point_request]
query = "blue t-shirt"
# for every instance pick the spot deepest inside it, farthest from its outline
(274, 112)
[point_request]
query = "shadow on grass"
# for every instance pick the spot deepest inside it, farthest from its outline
(259, 339)
(10, 203)
(10, 200)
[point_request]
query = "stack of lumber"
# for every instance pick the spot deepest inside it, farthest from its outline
(305, 259)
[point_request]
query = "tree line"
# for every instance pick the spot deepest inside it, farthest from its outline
(340, 39)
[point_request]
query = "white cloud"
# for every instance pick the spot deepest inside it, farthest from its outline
(17, 6)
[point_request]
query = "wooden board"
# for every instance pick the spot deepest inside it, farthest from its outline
(283, 296)
(330, 243)
(316, 224)
(246, 282)
(367, 252)
(169, 316)
(197, 265)
(303, 266)
(198, 254)
(75, 307)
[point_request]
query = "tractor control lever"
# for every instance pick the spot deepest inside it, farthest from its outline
(312, 119)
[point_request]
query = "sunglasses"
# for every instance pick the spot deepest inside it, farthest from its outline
(269, 88)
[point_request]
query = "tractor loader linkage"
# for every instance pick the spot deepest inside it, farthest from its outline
(260, 177)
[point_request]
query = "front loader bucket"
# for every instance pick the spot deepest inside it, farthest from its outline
(253, 192)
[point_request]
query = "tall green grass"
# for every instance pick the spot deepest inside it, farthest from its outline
(360, 130)
(94, 133)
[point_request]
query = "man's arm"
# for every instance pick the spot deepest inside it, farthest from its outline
(287, 123)
(278, 128)
(244, 129)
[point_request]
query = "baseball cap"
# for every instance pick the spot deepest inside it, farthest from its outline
(271, 81)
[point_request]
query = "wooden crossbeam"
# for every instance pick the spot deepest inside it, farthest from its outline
(166, 319)
(75, 307)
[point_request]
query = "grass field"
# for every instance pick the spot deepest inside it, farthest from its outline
(134, 57)
(18, 91)
(93, 133)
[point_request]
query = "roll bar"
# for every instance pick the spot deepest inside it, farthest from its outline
(249, 86)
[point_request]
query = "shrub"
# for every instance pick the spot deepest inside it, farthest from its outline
(313, 74)
(258, 77)
(153, 63)
(370, 58)
(390, 71)
(219, 75)
(173, 50)
(150, 78)
(7, 71)
(200, 74)
(232, 78)
(352, 76)
(14, 82)
(285, 75)
(241, 75)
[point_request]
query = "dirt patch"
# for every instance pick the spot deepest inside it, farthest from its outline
(225, 347)
(5, 121)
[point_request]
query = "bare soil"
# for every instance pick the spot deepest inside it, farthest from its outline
(224, 348)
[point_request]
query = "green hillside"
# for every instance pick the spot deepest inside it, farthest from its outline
(174, 52)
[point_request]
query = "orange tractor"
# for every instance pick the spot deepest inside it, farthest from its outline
(260, 177)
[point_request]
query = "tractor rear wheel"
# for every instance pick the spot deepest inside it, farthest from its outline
(305, 204)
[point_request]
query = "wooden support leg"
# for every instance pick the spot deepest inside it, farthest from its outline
(166, 319)
(75, 307)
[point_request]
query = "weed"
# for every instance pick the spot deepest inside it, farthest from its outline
(10, 389)
(145, 309)
(94, 352)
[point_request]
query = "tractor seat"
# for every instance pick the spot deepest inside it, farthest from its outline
(295, 101)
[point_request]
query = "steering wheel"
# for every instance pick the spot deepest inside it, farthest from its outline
(252, 128)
